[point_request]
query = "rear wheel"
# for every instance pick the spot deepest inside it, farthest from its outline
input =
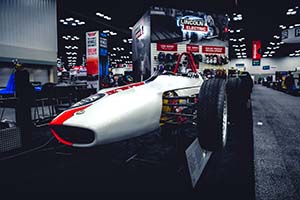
(212, 115)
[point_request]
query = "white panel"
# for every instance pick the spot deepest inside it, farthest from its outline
(28, 30)
(276, 64)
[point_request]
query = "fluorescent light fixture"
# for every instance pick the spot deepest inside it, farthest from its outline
(114, 49)
(293, 13)
(297, 24)
(69, 19)
(264, 55)
(291, 26)
(61, 20)
(272, 43)
(100, 14)
(81, 23)
(74, 24)
(239, 56)
(244, 49)
(231, 31)
(290, 10)
(238, 30)
(130, 52)
(124, 40)
(271, 52)
(130, 28)
(269, 47)
(76, 20)
(105, 31)
(266, 52)
(122, 49)
(237, 49)
(65, 23)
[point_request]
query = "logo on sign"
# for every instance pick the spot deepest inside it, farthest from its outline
(191, 23)
(139, 31)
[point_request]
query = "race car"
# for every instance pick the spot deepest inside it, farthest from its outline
(115, 114)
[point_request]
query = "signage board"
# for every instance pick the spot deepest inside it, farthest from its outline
(192, 48)
(166, 47)
(213, 49)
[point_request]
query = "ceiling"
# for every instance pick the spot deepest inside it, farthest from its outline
(261, 20)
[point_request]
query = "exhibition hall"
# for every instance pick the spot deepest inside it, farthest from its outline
(180, 98)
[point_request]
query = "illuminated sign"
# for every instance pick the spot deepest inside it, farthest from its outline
(192, 23)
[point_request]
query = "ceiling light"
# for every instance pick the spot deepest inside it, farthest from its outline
(238, 30)
(237, 49)
(81, 23)
(271, 52)
(61, 20)
(266, 52)
(122, 49)
(269, 47)
(100, 14)
(291, 54)
(244, 49)
(105, 31)
(298, 54)
(239, 56)
(297, 24)
(130, 28)
(293, 13)
(270, 55)
(76, 20)
(124, 40)
(291, 26)
(265, 55)
(69, 19)
(114, 49)
(65, 23)
(272, 43)
(73, 24)
(130, 52)
(231, 31)
(281, 42)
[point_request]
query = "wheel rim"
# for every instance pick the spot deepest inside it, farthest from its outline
(224, 123)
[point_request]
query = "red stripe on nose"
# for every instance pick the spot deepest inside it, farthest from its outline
(59, 120)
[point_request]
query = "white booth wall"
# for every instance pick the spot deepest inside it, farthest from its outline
(276, 64)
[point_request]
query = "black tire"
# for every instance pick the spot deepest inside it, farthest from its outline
(212, 98)
(234, 99)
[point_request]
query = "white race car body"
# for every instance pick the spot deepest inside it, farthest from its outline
(120, 113)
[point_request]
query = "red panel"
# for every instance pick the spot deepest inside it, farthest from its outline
(256, 45)
(166, 47)
(213, 49)
(195, 28)
(192, 48)
(92, 66)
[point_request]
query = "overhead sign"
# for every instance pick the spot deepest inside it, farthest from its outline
(166, 47)
(92, 52)
(213, 49)
(192, 48)
(291, 35)
(267, 67)
(240, 65)
(256, 50)
(192, 23)
(255, 62)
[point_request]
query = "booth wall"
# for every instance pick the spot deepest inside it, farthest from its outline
(276, 64)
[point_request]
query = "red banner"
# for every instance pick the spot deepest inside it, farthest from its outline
(213, 49)
(166, 47)
(195, 28)
(256, 45)
(192, 48)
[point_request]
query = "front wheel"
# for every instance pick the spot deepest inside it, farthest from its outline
(212, 114)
